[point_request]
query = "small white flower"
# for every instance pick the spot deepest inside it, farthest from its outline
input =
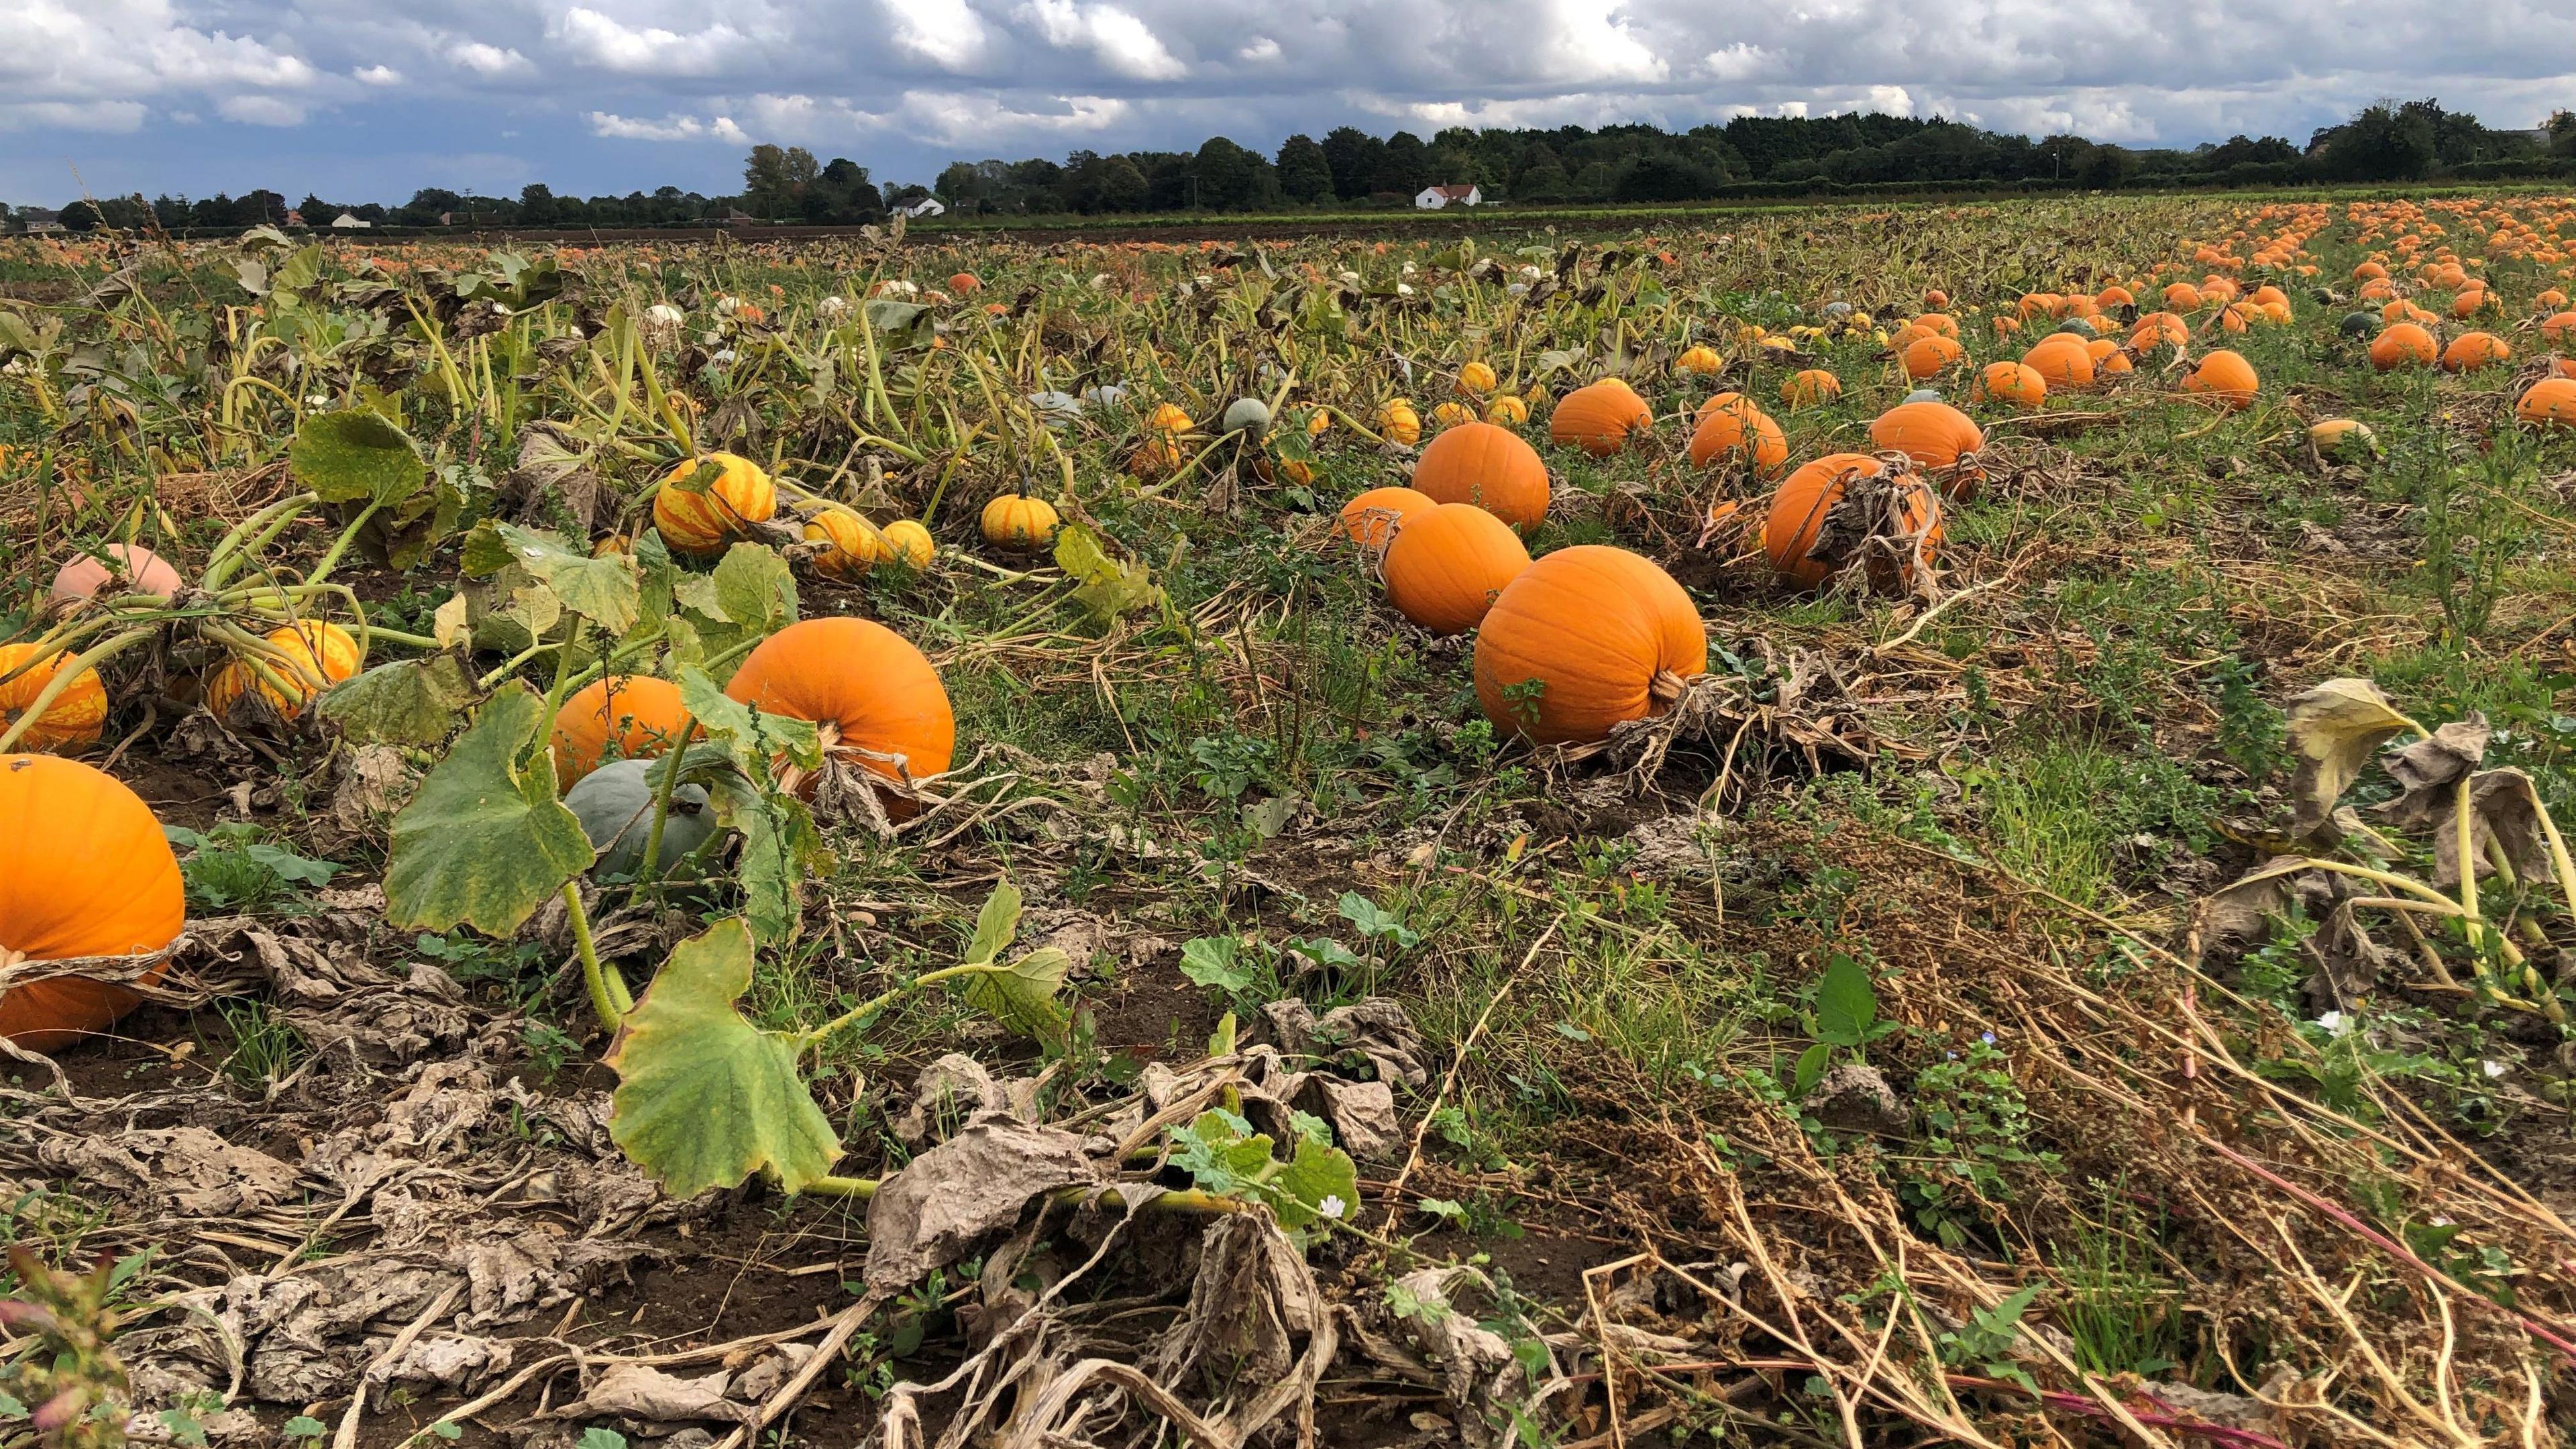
(1407, 269)
(1331, 1207)
(1404, 289)
(2335, 1023)
(2492, 1069)
(723, 358)
(726, 305)
(318, 400)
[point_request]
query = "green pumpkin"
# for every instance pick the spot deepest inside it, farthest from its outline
(1247, 415)
(614, 804)
(2359, 324)
(2078, 327)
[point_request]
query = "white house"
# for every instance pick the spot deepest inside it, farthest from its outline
(1433, 198)
(347, 221)
(926, 206)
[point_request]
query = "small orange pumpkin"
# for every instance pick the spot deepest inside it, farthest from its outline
(1599, 417)
(623, 716)
(1738, 432)
(2061, 362)
(2010, 382)
(1489, 466)
(1929, 355)
(1809, 387)
(1446, 564)
(75, 717)
(704, 523)
(2225, 376)
(2472, 350)
(317, 656)
(1582, 639)
(2550, 402)
(2403, 344)
(1936, 436)
(1371, 519)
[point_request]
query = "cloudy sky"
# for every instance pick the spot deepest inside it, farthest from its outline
(369, 101)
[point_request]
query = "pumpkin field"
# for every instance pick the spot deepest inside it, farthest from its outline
(1823, 826)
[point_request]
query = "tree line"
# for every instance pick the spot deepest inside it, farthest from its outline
(1750, 156)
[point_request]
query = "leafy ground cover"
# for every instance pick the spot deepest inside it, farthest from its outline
(1135, 987)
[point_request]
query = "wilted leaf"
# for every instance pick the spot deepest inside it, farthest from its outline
(2429, 771)
(1105, 587)
(407, 702)
(2334, 728)
(2504, 813)
(2241, 912)
(705, 1099)
(355, 456)
(1022, 996)
(485, 841)
(450, 626)
(900, 325)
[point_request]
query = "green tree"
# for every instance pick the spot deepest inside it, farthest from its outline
(1305, 172)
(537, 205)
(316, 212)
(1231, 178)
(2380, 144)
(79, 216)
(1405, 166)
(1353, 155)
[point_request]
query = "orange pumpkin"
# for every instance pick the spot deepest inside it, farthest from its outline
(851, 544)
(2403, 345)
(132, 568)
(1809, 387)
(75, 717)
(317, 656)
(97, 880)
(1927, 356)
(704, 523)
(2550, 402)
(2472, 350)
(1370, 519)
(2559, 331)
(2061, 362)
(1798, 512)
(2010, 382)
(624, 716)
(1446, 564)
(2182, 297)
(965, 284)
(2225, 376)
(1741, 431)
(1582, 639)
(1598, 418)
(865, 680)
(1935, 435)
(1488, 466)
(2159, 329)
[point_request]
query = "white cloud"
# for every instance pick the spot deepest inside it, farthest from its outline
(108, 116)
(669, 128)
(376, 75)
(1117, 38)
(946, 33)
(1592, 41)
(1262, 48)
(488, 60)
(602, 40)
(256, 110)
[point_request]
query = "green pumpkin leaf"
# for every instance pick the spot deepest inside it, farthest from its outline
(995, 924)
(780, 848)
(355, 457)
(484, 841)
(1846, 1007)
(705, 1099)
(606, 590)
(1021, 995)
(1321, 1183)
(748, 596)
(407, 702)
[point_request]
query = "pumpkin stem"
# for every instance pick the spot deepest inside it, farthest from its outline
(1665, 689)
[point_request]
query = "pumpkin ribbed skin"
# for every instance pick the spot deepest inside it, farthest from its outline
(1810, 387)
(1599, 417)
(640, 714)
(97, 880)
(2343, 438)
(2472, 350)
(852, 544)
(131, 569)
(703, 523)
(2550, 402)
(1738, 432)
(2010, 382)
(2158, 329)
(1596, 628)
(1488, 466)
(2403, 344)
(861, 676)
(1798, 512)
(1476, 379)
(1397, 422)
(1019, 523)
(1927, 356)
(2061, 361)
(318, 655)
(75, 717)
(1933, 434)
(2225, 376)
(1446, 564)
(1372, 518)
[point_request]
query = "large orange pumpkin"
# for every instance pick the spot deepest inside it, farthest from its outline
(703, 523)
(2010, 382)
(1582, 639)
(1598, 418)
(862, 678)
(2061, 361)
(1798, 512)
(317, 656)
(1488, 466)
(1739, 431)
(1934, 435)
(2550, 402)
(1446, 564)
(640, 714)
(2403, 344)
(1928, 355)
(2560, 330)
(97, 880)
(75, 717)
(2472, 350)
(1370, 519)
(2225, 376)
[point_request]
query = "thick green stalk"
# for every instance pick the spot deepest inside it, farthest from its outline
(608, 995)
(663, 784)
(63, 679)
